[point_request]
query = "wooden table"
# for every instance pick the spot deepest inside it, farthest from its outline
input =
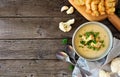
(30, 37)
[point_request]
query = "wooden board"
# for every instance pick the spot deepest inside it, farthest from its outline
(34, 68)
(30, 49)
(81, 10)
(11, 28)
(21, 28)
(30, 37)
(33, 8)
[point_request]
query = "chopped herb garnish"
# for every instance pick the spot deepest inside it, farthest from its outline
(103, 45)
(102, 41)
(87, 34)
(90, 47)
(80, 35)
(82, 42)
(94, 41)
(96, 34)
(64, 41)
(93, 48)
(81, 46)
(91, 40)
(98, 49)
(71, 67)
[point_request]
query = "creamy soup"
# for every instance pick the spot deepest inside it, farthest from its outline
(91, 41)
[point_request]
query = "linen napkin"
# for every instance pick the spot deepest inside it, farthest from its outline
(95, 66)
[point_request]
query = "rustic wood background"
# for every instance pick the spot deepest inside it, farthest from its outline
(30, 37)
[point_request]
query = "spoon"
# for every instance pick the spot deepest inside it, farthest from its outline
(71, 53)
(69, 49)
(63, 56)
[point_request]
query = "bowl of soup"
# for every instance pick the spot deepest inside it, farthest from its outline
(92, 41)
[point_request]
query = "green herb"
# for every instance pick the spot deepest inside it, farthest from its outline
(103, 45)
(90, 47)
(102, 41)
(94, 41)
(93, 48)
(95, 38)
(89, 42)
(87, 34)
(71, 67)
(80, 35)
(96, 34)
(81, 46)
(82, 42)
(97, 49)
(64, 41)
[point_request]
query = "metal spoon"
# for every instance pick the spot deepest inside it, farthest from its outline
(69, 49)
(63, 56)
(71, 53)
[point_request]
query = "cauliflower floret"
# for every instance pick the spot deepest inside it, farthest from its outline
(97, 45)
(91, 37)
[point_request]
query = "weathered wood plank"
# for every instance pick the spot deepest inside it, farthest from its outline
(30, 49)
(34, 28)
(34, 68)
(11, 28)
(35, 8)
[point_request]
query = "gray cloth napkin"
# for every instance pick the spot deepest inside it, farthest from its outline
(94, 66)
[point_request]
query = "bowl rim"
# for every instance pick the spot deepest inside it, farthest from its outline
(110, 37)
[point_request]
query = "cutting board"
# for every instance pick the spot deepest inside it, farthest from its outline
(81, 10)
(113, 18)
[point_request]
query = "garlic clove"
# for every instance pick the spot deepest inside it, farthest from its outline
(64, 27)
(70, 10)
(64, 8)
(71, 21)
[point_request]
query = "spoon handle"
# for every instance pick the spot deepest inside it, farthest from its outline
(83, 74)
(84, 71)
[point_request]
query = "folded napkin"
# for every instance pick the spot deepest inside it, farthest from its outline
(94, 66)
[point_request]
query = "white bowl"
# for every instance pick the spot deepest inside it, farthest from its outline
(110, 37)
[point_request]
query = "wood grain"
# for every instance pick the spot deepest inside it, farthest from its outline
(33, 28)
(14, 28)
(34, 68)
(32, 8)
(30, 49)
(30, 37)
